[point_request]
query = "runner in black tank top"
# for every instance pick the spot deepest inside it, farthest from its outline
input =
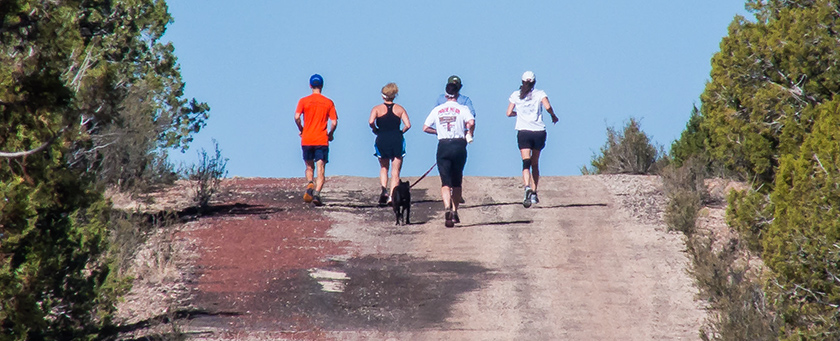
(385, 120)
(389, 137)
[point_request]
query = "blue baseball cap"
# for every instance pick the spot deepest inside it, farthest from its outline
(316, 80)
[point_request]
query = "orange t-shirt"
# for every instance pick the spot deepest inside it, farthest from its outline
(316, 110)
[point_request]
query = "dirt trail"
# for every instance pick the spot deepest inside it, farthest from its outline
(574, 267)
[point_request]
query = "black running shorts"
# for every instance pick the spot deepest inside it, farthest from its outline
(531, 139)
(451, 158)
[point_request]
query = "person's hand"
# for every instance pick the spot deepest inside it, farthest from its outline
(554, 119)
(375, 130)
(330, 135)
(469, 137)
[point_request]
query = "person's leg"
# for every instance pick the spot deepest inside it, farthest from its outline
(310, 170)
(396, 167)
(460, 160)
(384, 194)
(445, 164)
(446, 194)
(538, 145)
(383, 172)
(456, 197)
(535, 169)
(320, 166)
(309, 173)
(524, 142)
(526, 175)
(527, 161)
(322, 154)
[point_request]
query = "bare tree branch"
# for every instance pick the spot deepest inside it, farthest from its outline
(43, 146)
(820, 163)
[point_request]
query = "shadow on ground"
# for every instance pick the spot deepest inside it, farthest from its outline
(394, 293)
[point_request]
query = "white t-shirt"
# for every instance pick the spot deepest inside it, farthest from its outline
(450, 120)
(529, 110)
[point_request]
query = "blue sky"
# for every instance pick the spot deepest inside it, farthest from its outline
(600, 62)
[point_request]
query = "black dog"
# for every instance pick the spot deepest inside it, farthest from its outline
(401, 202)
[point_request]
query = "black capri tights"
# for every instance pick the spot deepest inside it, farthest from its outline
(451, 158)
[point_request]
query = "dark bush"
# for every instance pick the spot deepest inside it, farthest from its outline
(626, 152)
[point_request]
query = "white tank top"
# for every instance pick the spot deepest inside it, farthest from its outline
(529, 110)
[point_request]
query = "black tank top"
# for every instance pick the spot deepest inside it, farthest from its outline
(388, 122)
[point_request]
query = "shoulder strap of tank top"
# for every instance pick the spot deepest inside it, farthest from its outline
(390, 108)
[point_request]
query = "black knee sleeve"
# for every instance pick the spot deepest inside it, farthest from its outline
(526, 164)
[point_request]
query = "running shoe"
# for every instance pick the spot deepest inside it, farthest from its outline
(449, 222)
(309, 193)
(383, 197)
(455, 217)
(527, 202)
(534, 198)
(316, 200)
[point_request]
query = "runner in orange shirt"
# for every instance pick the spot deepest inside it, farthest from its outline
(317, 110)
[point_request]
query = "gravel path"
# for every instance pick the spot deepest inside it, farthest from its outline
(592, 261)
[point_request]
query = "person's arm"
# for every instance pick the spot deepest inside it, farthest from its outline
(469, 125)
(510, 112)
(468, 103)
(404, 116)
(429, 122)
(333, 125)
(298, 122)
(332, 116)
(550, 110)
(372, 120)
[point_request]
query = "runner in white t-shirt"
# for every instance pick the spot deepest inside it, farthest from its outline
(527, 106)
(454, 125)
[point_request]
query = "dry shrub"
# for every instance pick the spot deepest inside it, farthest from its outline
(627, 152)
(130, 230)
(686, 192)
(155, 261)
(207, 176)
(738, 306)
(681, 212)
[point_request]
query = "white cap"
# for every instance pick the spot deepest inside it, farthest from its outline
(528, 76)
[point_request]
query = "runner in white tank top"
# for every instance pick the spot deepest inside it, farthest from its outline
(527, 106)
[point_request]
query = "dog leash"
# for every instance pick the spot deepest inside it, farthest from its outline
(424, 175)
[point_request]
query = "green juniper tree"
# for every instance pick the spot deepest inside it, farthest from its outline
(80, 83)
(802, 244)
(770, 113)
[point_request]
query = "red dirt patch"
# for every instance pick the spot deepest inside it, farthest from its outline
(266, 234)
